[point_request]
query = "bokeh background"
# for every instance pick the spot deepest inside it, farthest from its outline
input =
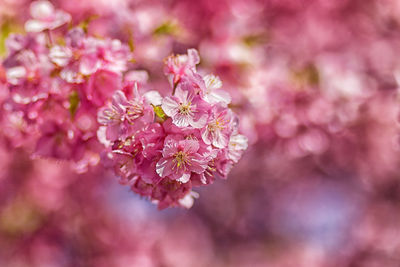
(314, 83)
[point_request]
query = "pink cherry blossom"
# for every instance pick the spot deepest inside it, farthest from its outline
(59, 141)
(186, 108)
(45, 17)
(180, 159)
(83, 56)
(125, 116)
(179, 66)
(27, 69)
(219, 127)
(101, 86)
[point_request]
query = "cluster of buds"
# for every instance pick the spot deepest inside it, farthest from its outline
(76, 99)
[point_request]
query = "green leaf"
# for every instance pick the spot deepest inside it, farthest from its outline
(167, 28)
(255, 39)
(160, 115)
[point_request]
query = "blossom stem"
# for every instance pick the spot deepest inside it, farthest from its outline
(51, 42)
(174, 89)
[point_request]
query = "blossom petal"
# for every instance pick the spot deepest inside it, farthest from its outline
(35, 26)
(199, 120)
(182, 93)
(212, 81)
(60, 55)
(182, 120)
(153, 97)
(164, 167)
(220, 139)
(198, 164)
(170, 148)
(184, 178)
(218, 96)
(41, 9)
(194, 57)
(170, 106)
(190, 146)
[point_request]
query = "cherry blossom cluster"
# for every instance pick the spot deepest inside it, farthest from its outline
(162, 146)
(74, 97)
(56, 83)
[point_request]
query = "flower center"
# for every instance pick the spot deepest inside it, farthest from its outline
(185, 109)
(181, 159)
(134, 111)
(112, 115)
(215, 126)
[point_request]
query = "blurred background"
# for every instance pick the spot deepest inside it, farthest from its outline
(314, 83)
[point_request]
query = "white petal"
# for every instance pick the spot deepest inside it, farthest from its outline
(212, 81)
(188, 200)
(140, 76)
(153, 97)
(218, 96)
(60, 55)
(170, 106)
(35, 26)
(41, 9)
(15, 73)
(220, 139)
(184, 178)
(181, 120)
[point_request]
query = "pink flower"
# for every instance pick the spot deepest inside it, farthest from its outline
(138, 154)
(28, 78)
(181, 65)
(211, 94)
(125, 116)
(186, 108)
(180, 159)
(219, 127)
(101, 86)
(45, 17)
(59, 141)
(84, 56)
(108, 54)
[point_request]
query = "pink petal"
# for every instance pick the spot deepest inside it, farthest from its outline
(199, 120)
(194, 57)
(198, 164)
(182, 93)
(164, 167)
(60, 55)
(206, 136)
(182, 120)
(170, 106)
(170, 148)
(119, 101)
(89, 65)
(190, 146)
(220, 139)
